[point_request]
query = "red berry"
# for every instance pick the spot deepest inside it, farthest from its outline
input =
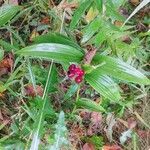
(79, 71)
(78, 79)
(72, 67)
(70, 74)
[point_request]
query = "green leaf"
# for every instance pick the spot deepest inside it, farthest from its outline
(111, 11)
(60, 134)
(56, 38)
(89, 104)
(21, 13)
(119, 69)
(91, 29)
(57, 52)
(41, 115)
(99, 5)
(71, 91)
(7, 12)
(7, 46)
(99, 38)
(103, 84)
(1, 54)
(79, 12)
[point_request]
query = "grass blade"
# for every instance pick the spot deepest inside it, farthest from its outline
(79, 12)
(140, 6)
(36, 135)
(7, 12)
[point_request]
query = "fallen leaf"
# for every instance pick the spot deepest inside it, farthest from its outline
(110, 120)
(111, 147)
(96, 119)
(134, 2)
(29, 90)
(131, 123)
(45, 20)
(91, 51)
(6, 64)
(126, 39)
(14, 2)
(92, 13)
(1, 116)
(33, 35)
(118, 23)
(88, 146)
(144, 134)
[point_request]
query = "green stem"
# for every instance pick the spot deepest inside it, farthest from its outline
(77, 97)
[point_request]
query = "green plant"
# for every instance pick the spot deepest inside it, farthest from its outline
(106, 57)
(96, 74)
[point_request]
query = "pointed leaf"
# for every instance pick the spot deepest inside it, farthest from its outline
(89, 104)
(99, 5)
(140, 6)
(60, 136)
(57, 52)
(91, 29)
(103, 84)
(56, 38)
(79, 12)
(7, 12)
(121, 70)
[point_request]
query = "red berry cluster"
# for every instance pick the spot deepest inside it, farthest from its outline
(76, 72)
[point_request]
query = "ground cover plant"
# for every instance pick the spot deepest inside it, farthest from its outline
(74, 75)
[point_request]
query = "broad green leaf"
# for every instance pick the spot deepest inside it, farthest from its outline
(57, 52)
(7, 12)
(103, 84)
(89, 104)
(99, 5)
(56, 38)
(91, 29)
(79, 12)
(119, 69)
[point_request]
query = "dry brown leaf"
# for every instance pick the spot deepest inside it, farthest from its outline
(45, 20)
(6, 64)
(29, 90)
(126, 39)
(144, 134)
(131, 123)
(33, 35)
(91, 51)
(88, 146)
(111, 121)
(92, 13)
(111, 147)
(118, 23)
(134, 2)
(1, 116)
(96, 118)
(14, 2)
